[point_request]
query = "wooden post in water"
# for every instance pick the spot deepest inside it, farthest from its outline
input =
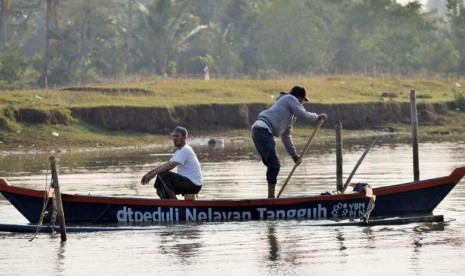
(414, 124)
(59, 203)
(339, 156)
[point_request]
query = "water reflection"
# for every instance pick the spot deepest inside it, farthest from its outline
(183, 245)
(370, 236)
(273, 243)
(61, 252)
(340, 239)
(263, 247)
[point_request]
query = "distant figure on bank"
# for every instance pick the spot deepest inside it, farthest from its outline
(187, 180)
(278, 121)
(206, 72)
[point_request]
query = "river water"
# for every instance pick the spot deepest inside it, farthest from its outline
(233, 170)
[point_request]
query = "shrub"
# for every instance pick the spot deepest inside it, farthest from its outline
(7, 121)
(424, 96)
(460, 99)
(12, 64)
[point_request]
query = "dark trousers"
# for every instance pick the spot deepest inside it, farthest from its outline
(266, 147)
(176, 183)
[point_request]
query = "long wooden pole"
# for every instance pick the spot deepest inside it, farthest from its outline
(414, 124)
(339, 157)
(358, 164)
(56, 187)
(304, 151)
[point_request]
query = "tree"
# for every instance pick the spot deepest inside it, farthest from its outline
(224, 46)
(384, 37)
(88, 43)
(14, 19)
(165, 30)
(4, 5)
(456, 15)
(12, 64)
(293, 38)
(51, 24)
(81, 41)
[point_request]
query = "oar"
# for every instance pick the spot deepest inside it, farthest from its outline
(358, 164)
(304, 151)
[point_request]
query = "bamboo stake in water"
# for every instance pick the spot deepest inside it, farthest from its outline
(414, 124)
(339, 157)
(59, 203)
(357, 165)
(304, 151)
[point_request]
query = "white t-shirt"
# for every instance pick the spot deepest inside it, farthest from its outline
(189, 165)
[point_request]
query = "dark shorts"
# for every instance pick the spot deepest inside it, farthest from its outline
(177, 183)
(266, 147)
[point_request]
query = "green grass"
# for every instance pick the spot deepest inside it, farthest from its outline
(167, 92)
(46, 137)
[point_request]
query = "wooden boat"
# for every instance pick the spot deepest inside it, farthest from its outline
(407, 199)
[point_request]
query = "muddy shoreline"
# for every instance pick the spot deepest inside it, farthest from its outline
(113, 127)
(218, 117)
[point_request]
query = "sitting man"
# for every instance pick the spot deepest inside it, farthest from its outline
(188, 179)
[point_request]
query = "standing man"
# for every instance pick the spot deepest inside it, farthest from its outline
(278, 121)
(188, 179)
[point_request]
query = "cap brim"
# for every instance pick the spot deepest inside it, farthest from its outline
(306, 99)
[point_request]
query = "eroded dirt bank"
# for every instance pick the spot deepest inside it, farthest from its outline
(224, 117)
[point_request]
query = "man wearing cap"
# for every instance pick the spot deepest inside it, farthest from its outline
(187, 180)
(278, 121)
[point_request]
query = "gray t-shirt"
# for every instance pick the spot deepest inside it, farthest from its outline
(282, 115)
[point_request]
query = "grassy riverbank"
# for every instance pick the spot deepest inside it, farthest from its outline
(164, 92)
(62, 130)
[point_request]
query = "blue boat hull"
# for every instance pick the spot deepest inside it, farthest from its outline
(415, 198)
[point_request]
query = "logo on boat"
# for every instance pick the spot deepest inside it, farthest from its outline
(174, 214)
(348, 210)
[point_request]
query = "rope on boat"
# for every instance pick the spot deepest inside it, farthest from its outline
(369, 195)
(44, 207)
(371, 206)
(101, 214)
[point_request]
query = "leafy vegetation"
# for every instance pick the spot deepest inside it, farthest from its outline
(12, 68)
(460, 100)
(86, 42)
